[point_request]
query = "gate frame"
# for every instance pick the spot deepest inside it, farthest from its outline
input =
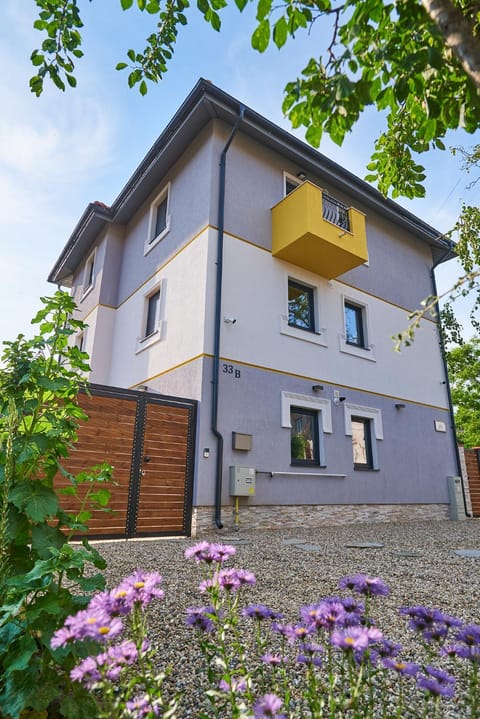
(142, 398)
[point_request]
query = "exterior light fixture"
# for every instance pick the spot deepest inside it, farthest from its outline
(399, 405)
(317, 387)
(206, 452)
(301, 176)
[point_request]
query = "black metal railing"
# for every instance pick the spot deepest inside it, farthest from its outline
(335, 211)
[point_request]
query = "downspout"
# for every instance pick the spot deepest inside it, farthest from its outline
(218, 316)
(447, 384)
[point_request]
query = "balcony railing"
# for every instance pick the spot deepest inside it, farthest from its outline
(335, 212)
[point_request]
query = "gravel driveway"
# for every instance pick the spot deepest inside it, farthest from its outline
(295, 567)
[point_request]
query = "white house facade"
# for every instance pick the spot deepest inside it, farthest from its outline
(241, 268)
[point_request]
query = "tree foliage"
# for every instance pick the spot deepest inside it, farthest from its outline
(464, 370)
(43, 578)
(416, 61)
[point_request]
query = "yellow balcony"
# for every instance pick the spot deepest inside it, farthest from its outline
(314, 231)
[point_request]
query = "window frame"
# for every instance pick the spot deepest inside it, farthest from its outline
(289, 179)
(315, 461)
(359, 312)
(367, 439)
(323, 410)
(152, 314)
(153, 238)
(159, 329)
(374, 415)
(296, 284)
(89, 274)
(367, 350)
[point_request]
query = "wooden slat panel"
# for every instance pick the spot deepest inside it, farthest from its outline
(163, 486)
(107, 436)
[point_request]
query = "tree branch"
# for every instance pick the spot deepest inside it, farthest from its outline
(458, 34)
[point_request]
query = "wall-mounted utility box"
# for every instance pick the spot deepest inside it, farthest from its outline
(241, 441)
(242, 481)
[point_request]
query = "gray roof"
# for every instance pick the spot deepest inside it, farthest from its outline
(204, 103)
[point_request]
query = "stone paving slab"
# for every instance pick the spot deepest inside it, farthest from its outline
(365, 545)
(468, 553)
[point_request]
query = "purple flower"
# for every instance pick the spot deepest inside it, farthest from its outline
(140, 588)
(274, 660)
(259, 612)
(466, 651)
(437, 682)
(237, 686)
(267, 707)
(405, 668)
(362, 584)
(353, 638)
(87, 624)
(422, 618)
(437, 633)
(310, 654)
(210, 553)
(292, 632)
(198, 618)
(327, 614)
(86, 673)
(228, 580)
(141, 707)
(470, 635)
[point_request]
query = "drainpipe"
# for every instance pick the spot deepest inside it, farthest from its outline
(218, 316)
(447, 384)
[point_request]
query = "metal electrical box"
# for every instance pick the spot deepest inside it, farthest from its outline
(242, 481)
(455, 493)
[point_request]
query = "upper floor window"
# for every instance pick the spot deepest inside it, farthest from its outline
(301, 309)
(290, 183)
(89, 274)
(153, 314)
(354, 325)
(159, 223)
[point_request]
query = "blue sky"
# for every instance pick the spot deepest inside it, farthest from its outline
(63, 150)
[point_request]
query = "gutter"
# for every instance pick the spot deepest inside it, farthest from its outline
(218, 315)
(447, 383)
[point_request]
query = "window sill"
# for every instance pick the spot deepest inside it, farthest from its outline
(154, 242)
(86, 292)
(367, 353)
(146, 342)
(359, 468)
(317, 338)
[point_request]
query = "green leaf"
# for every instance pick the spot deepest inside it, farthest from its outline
(261, 36)
(241, 4)
(143, 88)
(44, 537)
(121, 66)
(37, 501)
(280, 33)
(126, 4)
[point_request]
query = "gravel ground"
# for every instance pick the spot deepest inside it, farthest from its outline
(301, 566)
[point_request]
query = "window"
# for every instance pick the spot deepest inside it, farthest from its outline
(153, 307)
(301, 313)
(89, 275)
(159, 219)
(365, 426)
(362, 443)
(354, 325)
(290, 183)
(80, 341)
(304, 436)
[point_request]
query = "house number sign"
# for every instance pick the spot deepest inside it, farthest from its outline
(230, 369)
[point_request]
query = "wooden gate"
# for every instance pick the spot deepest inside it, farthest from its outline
(149, 439)
(472, 463)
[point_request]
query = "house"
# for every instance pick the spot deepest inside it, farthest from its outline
(241, 268)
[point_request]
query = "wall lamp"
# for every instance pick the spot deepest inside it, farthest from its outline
(339, 400)
(317, 387)
(229, 320)
(399, 405)
(301, 176)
